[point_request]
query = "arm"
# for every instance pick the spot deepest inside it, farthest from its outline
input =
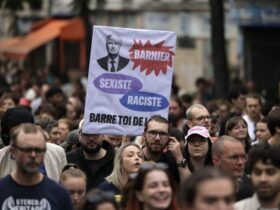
(174, 147)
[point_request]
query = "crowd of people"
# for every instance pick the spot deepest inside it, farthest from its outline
(214, 154)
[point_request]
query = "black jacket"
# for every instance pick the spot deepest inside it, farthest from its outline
(93, 180)
(122, 63)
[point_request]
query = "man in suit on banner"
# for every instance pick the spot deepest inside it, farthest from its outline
(113, 61)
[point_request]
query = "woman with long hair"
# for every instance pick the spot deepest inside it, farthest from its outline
(128, 159)
(152, 188)
(198, 148)
(237, 128)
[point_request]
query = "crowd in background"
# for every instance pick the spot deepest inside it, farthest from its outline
(170, 160)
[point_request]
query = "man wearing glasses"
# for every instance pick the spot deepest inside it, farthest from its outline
(26, 187)
(228, 154)
(160, 147)
(198, 115)
(54, 158)
(95, 157)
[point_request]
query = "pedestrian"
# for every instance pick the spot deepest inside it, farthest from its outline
(75, 181)
(273, 122)
(262, 131)
(237, 128)
(264, 168)
(228, 154)
(198, 115)
(160, 147)
(152, 188)
(54, 158)
(26, 187)
(198, 148)
(253, 113)
(97, 199)
(208, 189)
(128, 160)
(94, 157)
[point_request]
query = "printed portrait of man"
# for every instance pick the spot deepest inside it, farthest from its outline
(113, 61)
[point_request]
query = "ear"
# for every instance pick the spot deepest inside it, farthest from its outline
(79, 136)
(277, 129)
(139, 196)
(216, 160)
(12, 151)
(143, 139)
(189, 123)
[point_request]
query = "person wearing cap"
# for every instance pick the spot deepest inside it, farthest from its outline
(113, 61)
(198, 148)
(54, 160)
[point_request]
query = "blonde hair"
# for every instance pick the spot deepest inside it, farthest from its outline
(72, 172)
(117, 176)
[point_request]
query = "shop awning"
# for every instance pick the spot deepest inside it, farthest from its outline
(20, 48)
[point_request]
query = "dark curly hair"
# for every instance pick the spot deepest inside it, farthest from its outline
(268, 154)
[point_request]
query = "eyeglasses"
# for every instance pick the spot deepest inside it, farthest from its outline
(38, 151)
(162, 135)
(202, 118)
(235, 158)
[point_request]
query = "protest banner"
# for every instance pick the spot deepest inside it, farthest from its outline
(129, 79)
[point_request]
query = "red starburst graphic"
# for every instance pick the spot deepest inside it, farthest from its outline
(151, 57)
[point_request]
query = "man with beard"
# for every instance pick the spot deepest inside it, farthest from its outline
(54, 158)
(159, 146)
(95, 157)
(264, 167)
(26, 187)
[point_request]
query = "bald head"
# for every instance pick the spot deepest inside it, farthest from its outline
(218, 146)
(189, 112)
(228, 154)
